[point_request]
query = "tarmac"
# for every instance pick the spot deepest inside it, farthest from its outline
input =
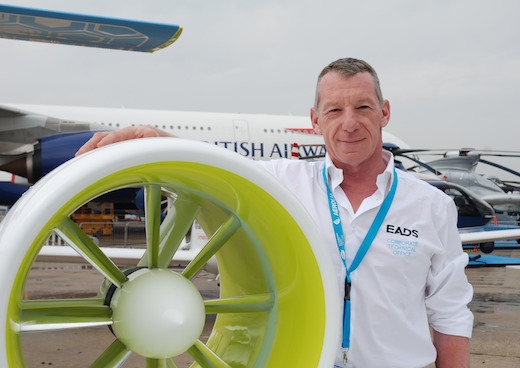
(496, 307)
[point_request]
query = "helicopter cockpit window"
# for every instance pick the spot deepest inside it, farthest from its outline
(464, 207)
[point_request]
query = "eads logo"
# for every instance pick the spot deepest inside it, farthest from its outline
(392, 229)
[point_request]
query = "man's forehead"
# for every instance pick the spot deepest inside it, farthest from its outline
(335, 84)
(340, 78)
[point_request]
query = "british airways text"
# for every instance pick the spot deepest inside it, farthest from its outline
(261, 150)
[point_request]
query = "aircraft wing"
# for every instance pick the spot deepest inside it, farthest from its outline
(129, 256)
(83, 30)
(476, 237)
(120, 256)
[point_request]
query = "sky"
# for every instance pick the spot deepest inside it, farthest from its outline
(450, 68)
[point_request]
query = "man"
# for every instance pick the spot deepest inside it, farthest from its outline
(402, 272)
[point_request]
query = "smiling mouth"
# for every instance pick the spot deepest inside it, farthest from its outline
(351, 141)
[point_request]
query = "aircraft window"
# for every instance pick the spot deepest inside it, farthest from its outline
(209, 128)
(464, 207)
(186, 127)
(179, 127)
(194, 127)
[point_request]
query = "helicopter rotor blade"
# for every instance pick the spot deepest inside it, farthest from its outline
(498, 166)
(423, 164)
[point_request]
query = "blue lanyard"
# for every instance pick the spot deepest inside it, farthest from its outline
(363, 248)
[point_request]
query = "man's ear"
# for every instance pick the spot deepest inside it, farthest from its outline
(315, 124)
(386, 113)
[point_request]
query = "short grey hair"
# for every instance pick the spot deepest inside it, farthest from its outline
(349, 67)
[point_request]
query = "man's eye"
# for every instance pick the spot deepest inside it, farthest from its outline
(363, 107)
(333, 110)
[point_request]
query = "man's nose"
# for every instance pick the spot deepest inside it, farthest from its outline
(349, 121)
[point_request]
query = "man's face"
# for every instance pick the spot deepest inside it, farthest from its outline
(350, 118)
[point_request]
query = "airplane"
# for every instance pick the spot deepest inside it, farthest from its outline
(273, 274)
(254, 136)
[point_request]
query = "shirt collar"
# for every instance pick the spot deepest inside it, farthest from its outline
(383, 182)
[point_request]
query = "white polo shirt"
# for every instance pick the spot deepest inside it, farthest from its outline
(411, 278)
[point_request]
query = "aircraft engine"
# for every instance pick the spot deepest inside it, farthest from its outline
(11, 192)
(45, 155)
(278, 304)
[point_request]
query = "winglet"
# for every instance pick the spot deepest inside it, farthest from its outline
(85, 30)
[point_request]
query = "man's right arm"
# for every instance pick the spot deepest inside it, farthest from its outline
(101, 139)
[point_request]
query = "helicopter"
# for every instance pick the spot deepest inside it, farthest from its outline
(459, 167)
